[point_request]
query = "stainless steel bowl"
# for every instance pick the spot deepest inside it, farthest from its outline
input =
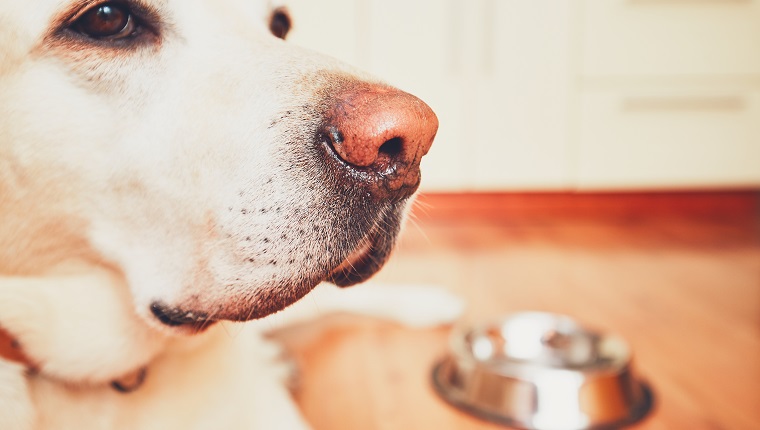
(542, 371)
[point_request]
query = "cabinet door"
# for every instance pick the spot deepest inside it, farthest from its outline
(520, 118)
(697, 137)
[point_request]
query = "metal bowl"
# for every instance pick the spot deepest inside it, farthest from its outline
(542, 371)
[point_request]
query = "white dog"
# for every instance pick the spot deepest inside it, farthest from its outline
(169, 164)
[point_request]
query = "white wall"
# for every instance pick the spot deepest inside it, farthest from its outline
(565, 94)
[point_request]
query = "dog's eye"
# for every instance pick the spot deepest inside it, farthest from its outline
(106, 21)
(279, 23)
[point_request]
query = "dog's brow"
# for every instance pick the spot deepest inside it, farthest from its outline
(63, 16)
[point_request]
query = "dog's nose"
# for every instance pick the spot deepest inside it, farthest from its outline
(381, 134)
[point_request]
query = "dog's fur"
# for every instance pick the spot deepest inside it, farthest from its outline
(178, 169)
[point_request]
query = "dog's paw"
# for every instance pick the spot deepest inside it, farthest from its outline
(411, 305)
(16, 411)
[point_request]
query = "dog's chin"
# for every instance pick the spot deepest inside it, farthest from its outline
(366, 259)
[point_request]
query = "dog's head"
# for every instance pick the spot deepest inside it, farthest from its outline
(183, 144)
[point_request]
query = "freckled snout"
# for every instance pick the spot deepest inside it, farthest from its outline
(381, 134)
(364, 143)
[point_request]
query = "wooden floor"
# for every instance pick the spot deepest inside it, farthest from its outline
(677, 275)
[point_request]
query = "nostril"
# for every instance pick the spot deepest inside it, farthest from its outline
(391, 148)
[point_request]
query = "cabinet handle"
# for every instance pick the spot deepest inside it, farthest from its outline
(689, 2)
(684, 103)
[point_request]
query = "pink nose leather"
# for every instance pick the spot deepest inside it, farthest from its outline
(384, 132)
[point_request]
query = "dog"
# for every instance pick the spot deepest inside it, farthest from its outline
(170, 169)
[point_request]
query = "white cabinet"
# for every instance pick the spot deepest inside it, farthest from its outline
(565, 94)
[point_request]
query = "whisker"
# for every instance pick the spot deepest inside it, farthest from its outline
(415, 224)
(224, 326)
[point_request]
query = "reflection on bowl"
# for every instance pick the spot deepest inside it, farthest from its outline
(542, 371)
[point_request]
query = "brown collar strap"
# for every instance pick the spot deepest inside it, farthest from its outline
(10, 350)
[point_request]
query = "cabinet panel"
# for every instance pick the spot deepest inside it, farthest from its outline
(670, 139)
(671, 37)
(522, 123)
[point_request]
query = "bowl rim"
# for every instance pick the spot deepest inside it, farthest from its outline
(636, 413)
(459, 348)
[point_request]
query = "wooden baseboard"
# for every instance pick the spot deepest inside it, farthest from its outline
(744, 204)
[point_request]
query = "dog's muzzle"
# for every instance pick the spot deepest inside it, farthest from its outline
(370, 141)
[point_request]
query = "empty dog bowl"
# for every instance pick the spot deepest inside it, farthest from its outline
(542, 371)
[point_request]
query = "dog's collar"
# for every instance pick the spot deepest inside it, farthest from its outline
(10, 350)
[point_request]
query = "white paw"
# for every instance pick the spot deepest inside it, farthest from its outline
(411, 305)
